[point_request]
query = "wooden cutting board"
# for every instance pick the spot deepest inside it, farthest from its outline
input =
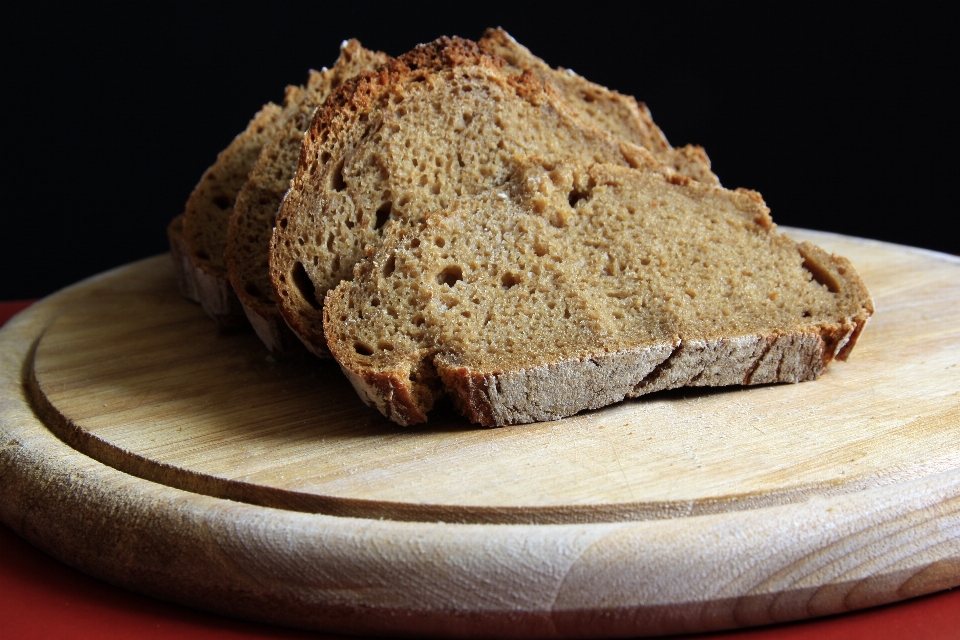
(147, 449)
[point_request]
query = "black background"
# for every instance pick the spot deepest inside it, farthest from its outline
(844, 118)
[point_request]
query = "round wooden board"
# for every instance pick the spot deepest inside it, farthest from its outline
(143, 447)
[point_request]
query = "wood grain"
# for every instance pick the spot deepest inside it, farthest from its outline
(194, 468)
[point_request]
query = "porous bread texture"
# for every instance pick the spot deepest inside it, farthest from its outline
(618, 114)
(575, 285)
(255, 211)
(207, 213)
(442, 122)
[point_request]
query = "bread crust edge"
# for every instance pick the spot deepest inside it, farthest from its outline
(556, 390)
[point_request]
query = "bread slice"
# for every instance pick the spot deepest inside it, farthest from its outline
(574, 285)
(620, 115)
(255, 211)
(442, 122)
(207, 212)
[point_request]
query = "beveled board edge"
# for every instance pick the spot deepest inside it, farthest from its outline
(348, 575)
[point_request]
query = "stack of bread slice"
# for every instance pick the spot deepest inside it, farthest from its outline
(198, 236)
(220, 242)
(465, 221)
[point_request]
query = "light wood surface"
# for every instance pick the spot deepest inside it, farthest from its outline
(191, 466)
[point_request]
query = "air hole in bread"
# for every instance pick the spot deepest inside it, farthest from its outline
(337, 181)
(576, 196)
(384, 346)
(383, 214)
(202, 255)
(389, 267)
(509, 280)
(450, 276)
(363, 349)
(223, 202)
(253, 290)
(440, 242)
(820, 274)
(303, 284)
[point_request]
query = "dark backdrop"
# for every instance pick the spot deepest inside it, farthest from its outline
(844, 118)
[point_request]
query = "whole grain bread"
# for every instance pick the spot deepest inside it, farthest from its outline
(207, 213)
(255, 211)
(576, 284)
(388, 148)
(618, 114)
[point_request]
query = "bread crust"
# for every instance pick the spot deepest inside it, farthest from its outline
(212, 293)
(565, 387)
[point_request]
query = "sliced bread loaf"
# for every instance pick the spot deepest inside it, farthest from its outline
(388, 148)
(255, 211)
(573, 285)
(620, 115)
(207, 212)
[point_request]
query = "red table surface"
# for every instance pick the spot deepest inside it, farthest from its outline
(43, 598)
